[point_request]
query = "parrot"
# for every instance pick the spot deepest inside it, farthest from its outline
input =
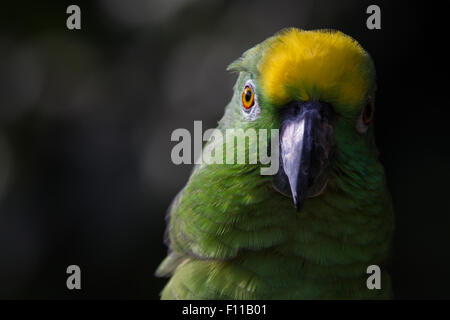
(312, 229)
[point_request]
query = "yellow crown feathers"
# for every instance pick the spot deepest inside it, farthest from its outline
(315, 65)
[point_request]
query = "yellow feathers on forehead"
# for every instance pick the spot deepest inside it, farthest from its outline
(315, 65)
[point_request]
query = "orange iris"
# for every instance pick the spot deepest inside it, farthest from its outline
(248, 97)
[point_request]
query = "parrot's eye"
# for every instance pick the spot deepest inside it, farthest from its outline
(250, 107)
(365, 117)
(248, 97)
(368, 113)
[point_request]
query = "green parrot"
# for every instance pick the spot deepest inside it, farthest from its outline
(311, 230)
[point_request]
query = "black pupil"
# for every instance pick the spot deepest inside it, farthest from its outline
(248, 95)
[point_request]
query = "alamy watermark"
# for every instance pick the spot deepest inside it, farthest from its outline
(374, 20)
(73, 21)
(374, 280)
(228, 146)
(74, 279)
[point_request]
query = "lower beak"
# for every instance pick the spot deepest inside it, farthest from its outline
(305, 143)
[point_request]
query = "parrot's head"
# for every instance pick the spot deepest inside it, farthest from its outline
(317, 88)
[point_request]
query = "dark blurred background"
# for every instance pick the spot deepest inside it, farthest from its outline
(86, 118)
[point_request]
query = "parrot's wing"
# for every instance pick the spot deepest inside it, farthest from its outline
(190, 232)
(173, 259)
(169, 264)
(174, 237)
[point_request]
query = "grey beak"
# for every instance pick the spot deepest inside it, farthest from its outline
(300, 153)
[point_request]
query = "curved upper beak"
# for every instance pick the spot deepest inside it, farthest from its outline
(305, 144)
